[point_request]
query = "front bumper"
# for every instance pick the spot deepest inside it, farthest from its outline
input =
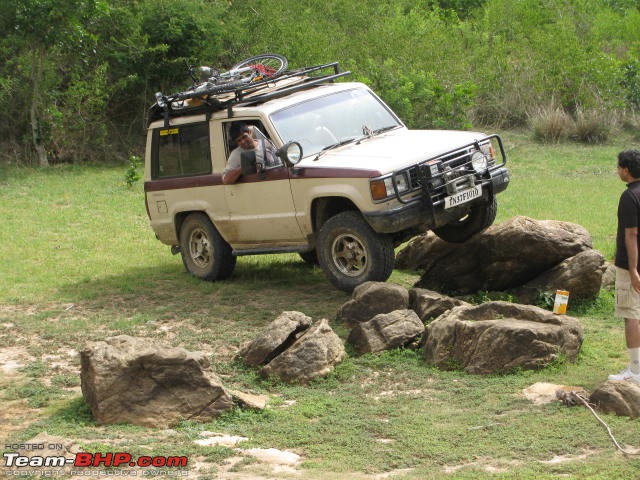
(424, 214)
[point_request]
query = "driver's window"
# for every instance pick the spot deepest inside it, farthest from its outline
(259, 133)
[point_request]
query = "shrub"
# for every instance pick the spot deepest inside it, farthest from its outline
(592, 126)
(551, 124)
(631, 123)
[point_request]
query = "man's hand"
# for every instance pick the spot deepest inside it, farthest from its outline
(635, 279)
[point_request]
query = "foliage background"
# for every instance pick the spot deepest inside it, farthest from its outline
(77, 76)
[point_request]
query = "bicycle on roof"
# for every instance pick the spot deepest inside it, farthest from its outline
(251, 72)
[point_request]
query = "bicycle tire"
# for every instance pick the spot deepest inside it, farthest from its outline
(275, 63)
(272, 65)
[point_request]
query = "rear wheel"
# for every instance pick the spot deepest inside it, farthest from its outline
(479, 217)
(205, 253)
(350, 252)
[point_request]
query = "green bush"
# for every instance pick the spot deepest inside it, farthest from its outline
(551, 124)
(592, 127)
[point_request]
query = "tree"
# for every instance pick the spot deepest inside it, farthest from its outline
(47, 29)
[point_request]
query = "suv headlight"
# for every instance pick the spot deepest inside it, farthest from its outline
(479, 162)
(383, 188)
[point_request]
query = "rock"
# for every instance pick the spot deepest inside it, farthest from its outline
(429, 304)
(249, 400)
(505, 256)
(608, 276)
(134, 380)
(619, 397)
(314, 354)
(275, 338)
(581, 275)
(496, 337)
(372, 298)
(386, 331)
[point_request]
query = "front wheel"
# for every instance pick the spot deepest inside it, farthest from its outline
(205, 254)
(350, 252)
(479, 217)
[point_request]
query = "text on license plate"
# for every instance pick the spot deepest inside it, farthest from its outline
(463, 197)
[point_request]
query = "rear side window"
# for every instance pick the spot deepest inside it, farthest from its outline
(181, 151)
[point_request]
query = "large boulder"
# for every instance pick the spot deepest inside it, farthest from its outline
(581, 275)
(275, 338)
(505, 256)
(386, 331)
(497, 337)
(372, 298)
(315, 353)
(621, 398)
(134, 380)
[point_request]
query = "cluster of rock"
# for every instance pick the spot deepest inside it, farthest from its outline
(295, 349)
(494, 337)
(132, 380)
(522, 256)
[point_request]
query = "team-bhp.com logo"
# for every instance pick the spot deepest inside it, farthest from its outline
(86, 460)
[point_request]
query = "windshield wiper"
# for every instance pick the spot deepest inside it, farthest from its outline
(384, 129)
(335, 145)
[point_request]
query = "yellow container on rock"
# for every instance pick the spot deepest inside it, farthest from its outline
(561, 302)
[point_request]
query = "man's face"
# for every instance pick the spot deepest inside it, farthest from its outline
(246, 141)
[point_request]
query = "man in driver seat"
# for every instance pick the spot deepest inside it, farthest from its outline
(245, 137)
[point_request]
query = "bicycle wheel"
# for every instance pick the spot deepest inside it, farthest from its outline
(267, 65)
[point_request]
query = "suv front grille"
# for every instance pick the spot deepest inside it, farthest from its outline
(432, 175)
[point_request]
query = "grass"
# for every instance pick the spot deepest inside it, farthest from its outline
(79, 263)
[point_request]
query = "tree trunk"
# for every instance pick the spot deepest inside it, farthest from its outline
(37, 68)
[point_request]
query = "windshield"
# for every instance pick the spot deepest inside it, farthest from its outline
(324, 122)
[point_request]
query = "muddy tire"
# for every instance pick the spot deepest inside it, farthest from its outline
(479, 217)
(350, 252)
(205, 254)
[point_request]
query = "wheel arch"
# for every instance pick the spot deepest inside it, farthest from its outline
(181, 216)
(323, 208)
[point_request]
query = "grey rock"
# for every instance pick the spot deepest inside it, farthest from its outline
(619, 397)
(313, 354)
(581, 275)
(134, 380)
(505, 256)
(275, 338)
(372, 298)
(386, 331)
(429, 304)
(496, 337)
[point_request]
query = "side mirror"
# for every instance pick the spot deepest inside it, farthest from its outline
(248, 162)
(290, 153)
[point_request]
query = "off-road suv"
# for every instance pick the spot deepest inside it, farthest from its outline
(350, 183)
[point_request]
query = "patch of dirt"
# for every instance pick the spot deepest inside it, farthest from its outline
(542, 393)
(570, 458)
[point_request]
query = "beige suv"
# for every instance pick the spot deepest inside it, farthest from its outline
(350, 183)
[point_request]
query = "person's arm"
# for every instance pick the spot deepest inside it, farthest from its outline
(631, 243)
(231, 176)
(232, 172)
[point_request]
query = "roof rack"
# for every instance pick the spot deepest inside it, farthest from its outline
(191, 102)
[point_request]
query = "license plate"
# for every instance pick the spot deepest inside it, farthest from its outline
(463, 197)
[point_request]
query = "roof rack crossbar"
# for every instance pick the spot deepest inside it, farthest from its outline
(306, 83)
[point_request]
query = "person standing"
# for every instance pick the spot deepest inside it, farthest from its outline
(627, 262)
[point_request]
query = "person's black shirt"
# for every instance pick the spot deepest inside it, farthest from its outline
(628, 217)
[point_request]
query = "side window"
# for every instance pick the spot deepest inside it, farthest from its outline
(260, 134)
(181, 151)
